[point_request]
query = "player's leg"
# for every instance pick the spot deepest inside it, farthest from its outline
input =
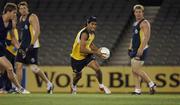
(77, 66)
(19, 68)
(137, 81)
(95, 66)
(8, 67)
(40, 73)
(136, 68)
(20, 61)
(9, 85)
(76, 77)
(1, 79)
(32, 61)
(11, 75)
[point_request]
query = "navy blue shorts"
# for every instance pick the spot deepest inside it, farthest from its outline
(30, 58)
(142, 57)
(10, 57)
(2, 51)
(78, 65)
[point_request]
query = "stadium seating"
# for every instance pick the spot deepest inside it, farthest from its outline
(119, 55)
(62, 19)
(165, 35)
(164, 42)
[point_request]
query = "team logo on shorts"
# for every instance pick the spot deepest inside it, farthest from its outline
(33, 60)
(136, 31)
(26, 27)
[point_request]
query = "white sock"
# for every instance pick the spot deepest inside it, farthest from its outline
(137, 90)
(13, 86)
(101, 85)
(151, 84)
(49, 84)
(73, 86)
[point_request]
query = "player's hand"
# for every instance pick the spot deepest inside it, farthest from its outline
(98, 53)
(30, 48)
(131, 53)
(22, 52)
(137, 58)
(139, 52)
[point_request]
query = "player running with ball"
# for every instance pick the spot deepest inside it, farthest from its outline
(82, 55)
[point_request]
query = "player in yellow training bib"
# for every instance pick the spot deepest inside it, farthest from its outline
(82, 55)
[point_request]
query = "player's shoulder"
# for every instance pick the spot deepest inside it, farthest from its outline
(84, 31)
(145, 22)
(33, 15)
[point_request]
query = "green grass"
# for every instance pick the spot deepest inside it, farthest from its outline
(89, 99)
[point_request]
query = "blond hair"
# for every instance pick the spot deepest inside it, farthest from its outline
(138, 6)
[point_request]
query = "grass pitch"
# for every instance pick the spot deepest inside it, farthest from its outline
(89, 99)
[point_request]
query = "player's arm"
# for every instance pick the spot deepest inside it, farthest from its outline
(93, 47)
(130, 48)
(83, 48)
(34, 21)
(145, 27)
(130, 45)
(14, 41)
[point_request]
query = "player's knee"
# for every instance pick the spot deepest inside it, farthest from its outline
(9, 69)
(134, 71)
(35, 68)
(19, 68)
(136, 62)
(133, 61)
(98, 71)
